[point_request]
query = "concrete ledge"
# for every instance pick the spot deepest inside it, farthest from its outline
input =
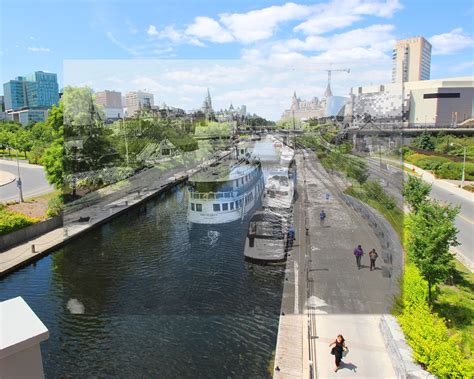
(399, 351)
(25, 234)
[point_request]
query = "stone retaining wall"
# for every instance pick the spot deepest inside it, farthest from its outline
(19, 236)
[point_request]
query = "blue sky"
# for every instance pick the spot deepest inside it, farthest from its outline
(295, 40)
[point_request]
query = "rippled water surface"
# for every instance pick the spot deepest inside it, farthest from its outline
(145, 296)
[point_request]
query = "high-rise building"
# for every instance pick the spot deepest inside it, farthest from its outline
(32, 94)
(111, 101)
(411, 60)
(137, 100)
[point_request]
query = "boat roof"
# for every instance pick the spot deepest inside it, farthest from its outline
(225, 170)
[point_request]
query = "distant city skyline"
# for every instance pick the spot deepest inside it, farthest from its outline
(296, 41)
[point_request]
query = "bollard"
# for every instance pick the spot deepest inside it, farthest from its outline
(33, 249)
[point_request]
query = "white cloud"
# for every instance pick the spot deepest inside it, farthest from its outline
(39, 49)
(152, 30)
(342, 13)
(260, 24)
(451, 42)
(116, 42)
(209, 29)
(174, 35)
(375, 36)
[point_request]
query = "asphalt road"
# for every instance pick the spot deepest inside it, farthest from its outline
(465, 219)
(32, 176)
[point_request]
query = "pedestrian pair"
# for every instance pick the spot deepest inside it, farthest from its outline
(359, 252)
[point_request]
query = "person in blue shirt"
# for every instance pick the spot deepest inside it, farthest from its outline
(322, 217)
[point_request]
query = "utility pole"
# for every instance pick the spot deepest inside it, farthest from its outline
(463, 164)
(126, 141)
(294, 130)
(18, 183)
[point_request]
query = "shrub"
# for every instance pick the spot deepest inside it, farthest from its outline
(453, 170)
(55, 206)
(427, 333)
(11, 221)
(375, 191)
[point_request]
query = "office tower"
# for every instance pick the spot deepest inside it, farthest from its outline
(411, 60)
(111, 101)
(31, 95)
(137, 100)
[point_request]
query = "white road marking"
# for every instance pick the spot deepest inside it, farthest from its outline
(296, 288)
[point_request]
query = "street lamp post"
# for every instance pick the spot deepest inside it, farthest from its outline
(463, 163)
(126, 141)
(18, 183)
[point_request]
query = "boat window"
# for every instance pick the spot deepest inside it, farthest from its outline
(198, 207)
(227, 194)
(192, 207)
(225, 207)
(216, 207)
(237, 183)
(231, 205)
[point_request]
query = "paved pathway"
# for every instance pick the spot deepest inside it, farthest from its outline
(333, 297)
(6, 178)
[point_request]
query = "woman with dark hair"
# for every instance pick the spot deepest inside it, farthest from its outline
(338, 349)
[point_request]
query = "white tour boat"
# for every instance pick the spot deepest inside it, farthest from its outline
(279, 190)
(224, 192)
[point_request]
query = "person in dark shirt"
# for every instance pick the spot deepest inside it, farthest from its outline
(338, 350)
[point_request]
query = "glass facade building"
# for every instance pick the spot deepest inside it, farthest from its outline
(31, 95)
(38, 90)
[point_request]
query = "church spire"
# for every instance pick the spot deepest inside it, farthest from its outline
(328, 92)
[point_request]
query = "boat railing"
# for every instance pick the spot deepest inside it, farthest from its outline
(214, 195)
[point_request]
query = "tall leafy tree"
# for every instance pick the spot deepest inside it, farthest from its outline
(425, 141)
(416, 192)
(431, 233)
(53, 156)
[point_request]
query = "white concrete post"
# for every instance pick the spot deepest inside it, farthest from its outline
(21, 332)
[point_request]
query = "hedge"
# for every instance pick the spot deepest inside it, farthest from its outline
(11, 221)
(443, 168)
(427, 333)
(453, 170)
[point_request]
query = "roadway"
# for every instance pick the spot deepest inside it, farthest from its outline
(33, 178)
(446, 192)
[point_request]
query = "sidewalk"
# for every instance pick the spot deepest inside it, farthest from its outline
(138, 189)
(430, 178)
(345, 300)
(6, 178)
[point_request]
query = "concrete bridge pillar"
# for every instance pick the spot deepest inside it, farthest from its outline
(21, 332)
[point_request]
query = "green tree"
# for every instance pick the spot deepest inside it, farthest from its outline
(431, 232)
(53, 156)
(425, 141)
(416, 192)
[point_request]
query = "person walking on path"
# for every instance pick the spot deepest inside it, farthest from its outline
(373, 257)
(338, 350)
(322, 217)
(358, 252)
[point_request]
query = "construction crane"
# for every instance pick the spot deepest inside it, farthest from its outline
(348, 70)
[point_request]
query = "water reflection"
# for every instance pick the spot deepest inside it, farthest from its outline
(158, 300)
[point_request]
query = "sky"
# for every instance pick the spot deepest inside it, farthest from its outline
(246, 52)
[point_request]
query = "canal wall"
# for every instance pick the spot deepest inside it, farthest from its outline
(78, 223)
(25, 234)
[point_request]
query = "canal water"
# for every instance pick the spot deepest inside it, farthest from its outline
(147, 296)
